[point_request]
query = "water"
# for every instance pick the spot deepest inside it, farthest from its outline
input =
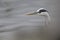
(14, 22)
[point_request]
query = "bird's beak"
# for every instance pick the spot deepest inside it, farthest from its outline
(33, 13)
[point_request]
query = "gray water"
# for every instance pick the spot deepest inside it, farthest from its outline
(15, 25)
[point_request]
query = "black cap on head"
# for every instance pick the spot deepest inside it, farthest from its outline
(41, 10)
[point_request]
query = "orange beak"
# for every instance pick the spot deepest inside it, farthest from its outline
(33, 13)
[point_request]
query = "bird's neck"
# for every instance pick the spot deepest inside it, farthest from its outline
(47, 16)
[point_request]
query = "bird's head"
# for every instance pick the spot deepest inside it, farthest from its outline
(40, 12)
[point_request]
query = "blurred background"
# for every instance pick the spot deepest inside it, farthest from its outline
(14, 25)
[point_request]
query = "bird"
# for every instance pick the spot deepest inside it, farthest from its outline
(43, 12)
